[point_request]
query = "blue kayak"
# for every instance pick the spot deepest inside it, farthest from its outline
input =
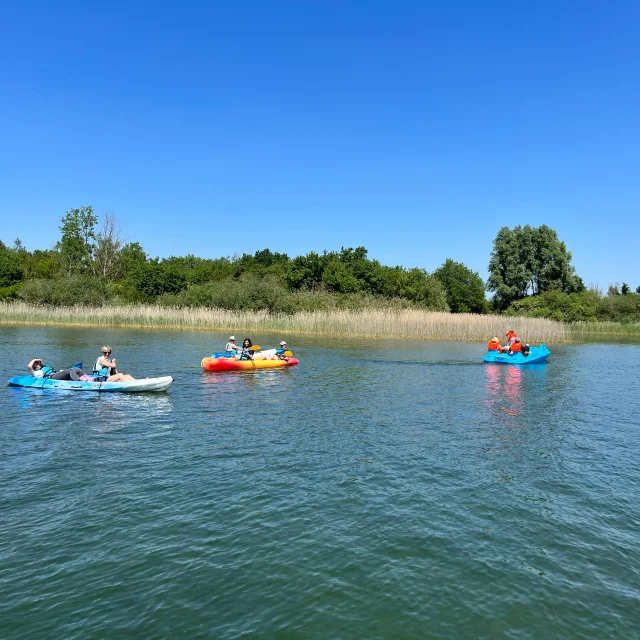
(536, 356)
(133, 386)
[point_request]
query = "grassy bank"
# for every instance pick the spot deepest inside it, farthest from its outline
(581, 330)
(406, 324)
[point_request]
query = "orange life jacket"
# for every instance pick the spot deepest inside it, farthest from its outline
(511, 336)
(493, 346)
(516, 346)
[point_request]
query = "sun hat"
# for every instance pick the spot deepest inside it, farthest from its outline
(283, 342)
(232, 337)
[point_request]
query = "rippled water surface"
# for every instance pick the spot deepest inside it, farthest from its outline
(378, 490)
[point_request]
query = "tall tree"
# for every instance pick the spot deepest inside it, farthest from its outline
(11, 270)
(464, 288)
(78, 238)
(529, 260)
(108, 244)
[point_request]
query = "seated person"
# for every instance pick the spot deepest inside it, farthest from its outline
(280, 351)
(105, 367)
(516, 347)
(494, 345)
(38, 370)
(231, 348)
(246, 353)
(525, 350)
(511, 337)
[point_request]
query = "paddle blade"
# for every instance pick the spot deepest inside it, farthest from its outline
(255, 348)
(288, 354)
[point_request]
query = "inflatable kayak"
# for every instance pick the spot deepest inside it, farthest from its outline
(231, 364)
(133, 386)
(536, 356)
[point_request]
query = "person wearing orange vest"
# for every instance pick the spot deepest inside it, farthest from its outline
(494, 344)
(511, 336)
(516, 346)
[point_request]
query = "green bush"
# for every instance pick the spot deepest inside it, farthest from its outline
(11, 292)
(587, 306)
(65, 292)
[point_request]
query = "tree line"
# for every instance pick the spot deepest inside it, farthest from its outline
(530, 273)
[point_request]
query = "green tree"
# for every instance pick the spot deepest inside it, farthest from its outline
(626, 289)
(154, 278)
(11, 270)
(129, 258)
(78, 240)
(305, 272)
(464, 288)
(529, 260)
(338, 277)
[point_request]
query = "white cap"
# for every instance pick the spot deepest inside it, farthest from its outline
(283, 342)
(232, 337)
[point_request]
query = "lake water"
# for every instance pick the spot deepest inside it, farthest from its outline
(378, 490)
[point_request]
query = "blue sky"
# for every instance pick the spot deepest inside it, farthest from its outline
(416, 129)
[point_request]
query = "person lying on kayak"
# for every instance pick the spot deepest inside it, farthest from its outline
(38, 370)
(105, 367)
(246, 353)
(280, 351)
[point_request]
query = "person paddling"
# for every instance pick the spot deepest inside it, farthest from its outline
(246, 353)
(105, 367)
(280, 351)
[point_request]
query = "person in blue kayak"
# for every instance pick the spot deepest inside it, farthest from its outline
(38, 369)
(105, 367)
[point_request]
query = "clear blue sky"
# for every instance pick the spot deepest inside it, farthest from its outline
(416, 129)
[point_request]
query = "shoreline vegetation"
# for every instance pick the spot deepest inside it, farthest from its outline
(392, 323)
(405, 324)
(91, 277)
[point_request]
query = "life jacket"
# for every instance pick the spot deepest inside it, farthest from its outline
(47, 372)
(511, 336)
(103, 372)
(516, 347)
(493, 346)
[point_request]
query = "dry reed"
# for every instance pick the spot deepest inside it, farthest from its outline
(406, 324)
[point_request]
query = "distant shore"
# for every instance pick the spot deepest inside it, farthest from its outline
(402, 324)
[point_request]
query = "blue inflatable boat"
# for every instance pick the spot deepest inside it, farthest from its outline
(133, 386)
(537, 355)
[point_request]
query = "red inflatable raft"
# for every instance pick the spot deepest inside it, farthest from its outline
(231, 364)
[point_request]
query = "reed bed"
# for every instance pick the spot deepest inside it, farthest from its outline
(579, 330)
(406, 324)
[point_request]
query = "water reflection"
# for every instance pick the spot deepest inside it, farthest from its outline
(504, 389)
